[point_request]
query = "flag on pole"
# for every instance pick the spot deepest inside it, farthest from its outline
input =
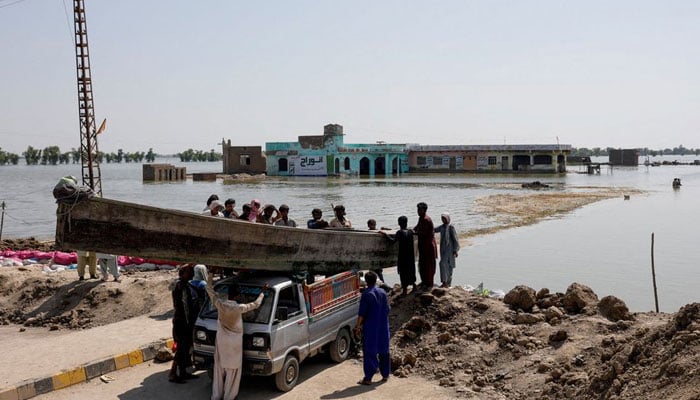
(102, 127)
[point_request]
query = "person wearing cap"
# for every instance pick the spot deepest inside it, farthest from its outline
(340, 221)
(266, 217)
(209, 200)
(284, 217)
(449, 246)
(215, 209)
(230, 209)
(317, 222)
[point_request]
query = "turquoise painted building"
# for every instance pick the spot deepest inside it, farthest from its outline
(327, 154)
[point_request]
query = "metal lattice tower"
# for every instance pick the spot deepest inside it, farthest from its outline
(86, 108)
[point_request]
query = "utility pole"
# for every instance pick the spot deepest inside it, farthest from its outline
(86, 108)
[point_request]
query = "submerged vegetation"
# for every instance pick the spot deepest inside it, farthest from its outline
(602, 152)
(8, 158)
(52, 155)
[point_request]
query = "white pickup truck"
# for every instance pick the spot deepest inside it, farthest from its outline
(295, 321)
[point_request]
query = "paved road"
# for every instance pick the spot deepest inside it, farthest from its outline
(319, 380)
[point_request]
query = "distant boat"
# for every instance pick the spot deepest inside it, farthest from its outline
(117, 227)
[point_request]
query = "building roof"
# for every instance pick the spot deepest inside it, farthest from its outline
(492, 147)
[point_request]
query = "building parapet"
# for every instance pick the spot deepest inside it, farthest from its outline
(491, 147)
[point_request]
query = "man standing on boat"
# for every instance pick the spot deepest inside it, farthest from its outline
(284, 219)
(215, 209)
(427, 248)
(340, 221)
(317, 222)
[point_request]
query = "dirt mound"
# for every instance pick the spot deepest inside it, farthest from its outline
(483, 349)
(29, 243)
(30, 297)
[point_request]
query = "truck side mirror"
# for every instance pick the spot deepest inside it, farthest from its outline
(282, 314)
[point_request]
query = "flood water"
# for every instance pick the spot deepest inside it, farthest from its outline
(605, 245)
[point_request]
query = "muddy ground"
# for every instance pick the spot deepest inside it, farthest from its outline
(528, 345)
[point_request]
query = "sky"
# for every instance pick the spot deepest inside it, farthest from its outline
(173, 75)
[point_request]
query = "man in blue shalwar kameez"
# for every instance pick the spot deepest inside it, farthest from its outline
(373, 322)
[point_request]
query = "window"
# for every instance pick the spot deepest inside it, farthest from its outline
(493, 160)
(437, 160)
(245, 159)
(542, 159)
(420, 160)
(289, 298)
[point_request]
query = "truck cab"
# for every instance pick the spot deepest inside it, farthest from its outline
(295, 321)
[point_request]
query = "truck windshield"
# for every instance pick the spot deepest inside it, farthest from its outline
(248, 294)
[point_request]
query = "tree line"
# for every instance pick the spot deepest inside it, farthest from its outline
(52, 155)
(598, 151)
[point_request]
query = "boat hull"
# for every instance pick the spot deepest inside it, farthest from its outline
(117, 227)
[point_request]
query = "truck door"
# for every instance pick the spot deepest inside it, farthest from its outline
(292, 331)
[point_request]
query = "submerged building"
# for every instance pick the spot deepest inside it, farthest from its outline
(533, 158)
(242, 159)
(328, 154)
(624, 157)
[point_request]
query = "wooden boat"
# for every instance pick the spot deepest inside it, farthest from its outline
(117, 227)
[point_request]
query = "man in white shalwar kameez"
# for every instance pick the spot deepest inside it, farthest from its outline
(228, 356)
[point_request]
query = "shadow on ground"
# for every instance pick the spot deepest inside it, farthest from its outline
(156, 385)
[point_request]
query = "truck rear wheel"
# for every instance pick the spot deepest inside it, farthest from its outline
(340, 347)
(286, 379)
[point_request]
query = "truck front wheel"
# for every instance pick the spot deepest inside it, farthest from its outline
(286, 379)
(340, 347)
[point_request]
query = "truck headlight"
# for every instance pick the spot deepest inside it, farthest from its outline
(258, 341)
(201, 335)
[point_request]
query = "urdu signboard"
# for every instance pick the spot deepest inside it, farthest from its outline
(307, 166)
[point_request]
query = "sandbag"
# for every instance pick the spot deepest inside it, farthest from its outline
(67, 190)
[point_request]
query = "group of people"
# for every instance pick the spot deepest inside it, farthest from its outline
(427, 250)
(252, 212)
(189, 294)
(373, 316)
(271, 215)
(90, 259)
(424, 230)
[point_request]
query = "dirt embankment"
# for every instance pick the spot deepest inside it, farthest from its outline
(58, 300)
(531, 344)
(548, 346)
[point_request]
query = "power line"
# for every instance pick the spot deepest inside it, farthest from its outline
(11, 4)
(70, 30)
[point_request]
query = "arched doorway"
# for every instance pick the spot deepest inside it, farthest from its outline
(282, 165)
(379, 166)
(337, 166)
(395, 166)
(347, 163)
(364, 166)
